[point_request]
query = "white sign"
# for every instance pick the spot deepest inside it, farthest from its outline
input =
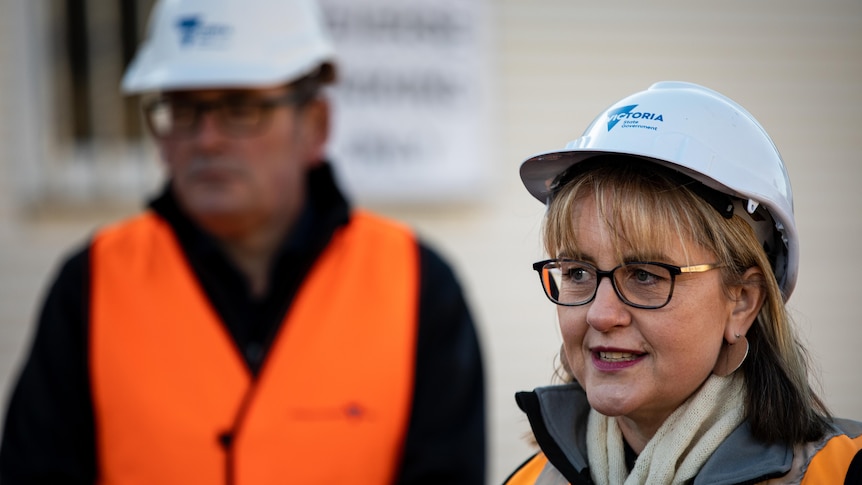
(411, 119)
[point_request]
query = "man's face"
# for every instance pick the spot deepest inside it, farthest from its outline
(235, 182)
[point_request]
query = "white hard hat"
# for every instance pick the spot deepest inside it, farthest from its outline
(702, 134)
(229, 43)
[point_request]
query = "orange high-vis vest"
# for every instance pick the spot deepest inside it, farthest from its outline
(831, 463)
(529, 472)
(332, 401)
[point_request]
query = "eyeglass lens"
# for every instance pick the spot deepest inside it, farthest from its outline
(235, 116)
(575, 283)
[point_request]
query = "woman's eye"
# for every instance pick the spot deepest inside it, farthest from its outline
(577, 274)
(647, 274)
(644, 276)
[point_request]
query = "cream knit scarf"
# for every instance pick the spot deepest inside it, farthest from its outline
(681, 445)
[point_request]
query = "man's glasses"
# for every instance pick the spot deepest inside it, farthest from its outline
(236, 116)
(648, 285)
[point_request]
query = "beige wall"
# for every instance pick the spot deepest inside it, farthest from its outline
(796, 65)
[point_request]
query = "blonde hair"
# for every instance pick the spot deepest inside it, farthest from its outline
(646, 207)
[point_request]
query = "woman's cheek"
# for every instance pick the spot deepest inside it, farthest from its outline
(572, 330)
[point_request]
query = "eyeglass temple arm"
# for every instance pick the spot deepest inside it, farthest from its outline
(700, 268)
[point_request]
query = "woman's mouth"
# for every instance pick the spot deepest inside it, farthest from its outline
(608, 360)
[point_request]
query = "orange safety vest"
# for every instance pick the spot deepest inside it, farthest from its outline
(529, 471)
(831, 463)
(332, 401)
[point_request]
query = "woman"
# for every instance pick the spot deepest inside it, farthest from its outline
(672, 251)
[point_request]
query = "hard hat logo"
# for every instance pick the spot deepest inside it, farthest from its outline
(193, 32)
(632, 118)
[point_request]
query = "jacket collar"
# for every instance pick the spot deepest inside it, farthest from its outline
(558, 417)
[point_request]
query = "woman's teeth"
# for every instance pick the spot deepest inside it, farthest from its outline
(617, 356)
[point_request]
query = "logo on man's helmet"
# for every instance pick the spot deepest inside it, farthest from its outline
(195, 33)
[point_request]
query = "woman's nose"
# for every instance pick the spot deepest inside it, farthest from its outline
(607, 310)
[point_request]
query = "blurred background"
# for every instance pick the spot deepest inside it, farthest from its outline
(439, 103)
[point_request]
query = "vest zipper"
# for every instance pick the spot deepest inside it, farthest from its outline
(227, 439)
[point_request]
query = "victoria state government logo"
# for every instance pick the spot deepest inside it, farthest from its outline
(194, 32)
(631, 118)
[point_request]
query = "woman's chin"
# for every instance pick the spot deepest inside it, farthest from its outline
(612, 400)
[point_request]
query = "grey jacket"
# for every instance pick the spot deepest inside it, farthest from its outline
(558, 418)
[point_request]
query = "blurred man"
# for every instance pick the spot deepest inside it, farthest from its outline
(249, 326)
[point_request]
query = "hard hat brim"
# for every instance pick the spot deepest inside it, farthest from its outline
(539, 171)
(176, 77)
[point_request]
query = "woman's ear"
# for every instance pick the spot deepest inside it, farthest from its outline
(747, 297)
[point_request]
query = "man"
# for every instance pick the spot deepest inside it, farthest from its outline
(248, 327)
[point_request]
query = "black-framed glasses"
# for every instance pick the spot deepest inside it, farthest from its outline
(234, 115)
(641, 284)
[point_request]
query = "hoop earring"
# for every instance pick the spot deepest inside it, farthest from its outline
(731, 356)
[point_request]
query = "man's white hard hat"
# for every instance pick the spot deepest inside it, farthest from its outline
(195, 44)
(702, 134)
